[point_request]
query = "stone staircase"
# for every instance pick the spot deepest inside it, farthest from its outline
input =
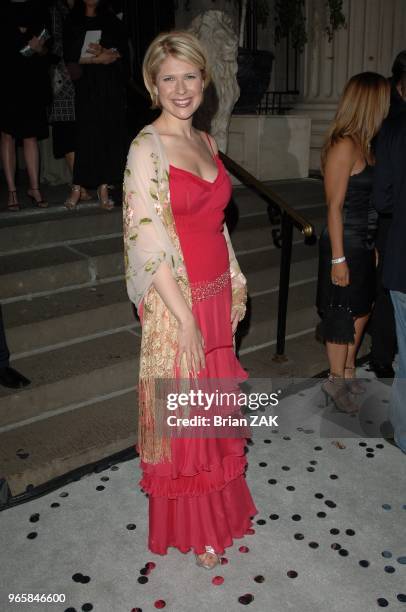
(72, 331)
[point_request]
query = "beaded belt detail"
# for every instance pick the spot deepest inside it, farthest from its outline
(207, 289)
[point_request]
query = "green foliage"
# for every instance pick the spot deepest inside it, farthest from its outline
(290, 21)
(336, 17)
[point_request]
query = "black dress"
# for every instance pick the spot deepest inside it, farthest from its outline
(100, 103)
(359, 221)
(26, 85)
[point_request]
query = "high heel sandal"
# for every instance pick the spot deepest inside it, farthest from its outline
(106, 203)
(336, 389)
(38, 203)
(353, 384)
(72, 203)
(13, 206)
(201, 563)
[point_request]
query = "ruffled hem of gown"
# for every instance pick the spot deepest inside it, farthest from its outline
(191, 523)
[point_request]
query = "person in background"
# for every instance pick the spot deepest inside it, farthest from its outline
(346, 246)
(382, 324)
(390, 197)
(62, 110)
(100, 75)
(9, 377)
(25, 96)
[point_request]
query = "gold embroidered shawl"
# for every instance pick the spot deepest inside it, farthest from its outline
(150, 238)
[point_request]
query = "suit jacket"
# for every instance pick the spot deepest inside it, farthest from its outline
(390, 197)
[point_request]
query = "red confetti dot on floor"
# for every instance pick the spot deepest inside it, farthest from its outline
(224, 561)
(250, 531)
(160, 603)
(150, 565)
(136, 610)
(244, 549)
(218, 580)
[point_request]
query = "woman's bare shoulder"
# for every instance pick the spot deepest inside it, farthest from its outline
(345, 149)
(206, 136)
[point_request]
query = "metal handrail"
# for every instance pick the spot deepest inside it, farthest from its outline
(248, 179)
(290, 218)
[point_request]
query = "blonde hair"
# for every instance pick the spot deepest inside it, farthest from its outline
(363, 106)
(179, 44)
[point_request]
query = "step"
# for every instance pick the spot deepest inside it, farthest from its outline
(55, 268)
(62, 443)
(72, 375)
(66, 316)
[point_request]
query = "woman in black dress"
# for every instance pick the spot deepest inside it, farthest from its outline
(346, 248)
(100, 98)
(25, 96)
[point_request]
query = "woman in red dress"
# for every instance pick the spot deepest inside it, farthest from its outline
(190, 293)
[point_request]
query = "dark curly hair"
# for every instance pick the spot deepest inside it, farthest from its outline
(79, 8)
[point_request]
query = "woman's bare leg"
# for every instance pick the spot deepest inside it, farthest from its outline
(337, 357)
(8, 156)
(359, 324)
(31, 155)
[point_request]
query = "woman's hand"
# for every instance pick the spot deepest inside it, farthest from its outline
(376, 257)
(36, 44)
(190, 342)
(340, 274)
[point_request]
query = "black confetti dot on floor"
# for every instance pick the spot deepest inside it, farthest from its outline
(142, 579)
(364, 563)
(262, 464)
(380, 446)
(363, 444)
(292, 574)
(272, 481)
(333, 476)
(330, 503)
(313, 545)
(299, 536)
(369, 450)
(114, 468)
(85, 579)
(369, 455)
(286, 437)
(22, 454)
(401, 560)
(401, 597)
(383, 603)
(261, 522)
(319, 495)
(310, 469)
(334, 531)
(318, 448)
(343, 552)
(389, 569)
(32, 535)
(246, 599)
(274, 517)
(100, 488)
(55, 505)
(296, 517)
(321, 514)
(145, 571)
(70, 610)
(259, 579)
(313, 462)
(386, 506)
(34, 518)
(267, 441)
(77, 577)
(87, 607)
(286, 468)
(104, 478)
(290, 488)
(131, 526)
(350, 532)
(336, 546)
(63, 494)
(387, 554)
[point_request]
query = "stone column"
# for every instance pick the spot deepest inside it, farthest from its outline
(374, 35)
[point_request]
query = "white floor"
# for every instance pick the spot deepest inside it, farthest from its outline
(90, 533)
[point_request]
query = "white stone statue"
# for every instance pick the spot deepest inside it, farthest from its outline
(215, 30)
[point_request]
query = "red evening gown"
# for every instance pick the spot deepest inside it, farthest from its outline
(201, 496)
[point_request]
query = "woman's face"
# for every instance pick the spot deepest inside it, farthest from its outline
(179, 86)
